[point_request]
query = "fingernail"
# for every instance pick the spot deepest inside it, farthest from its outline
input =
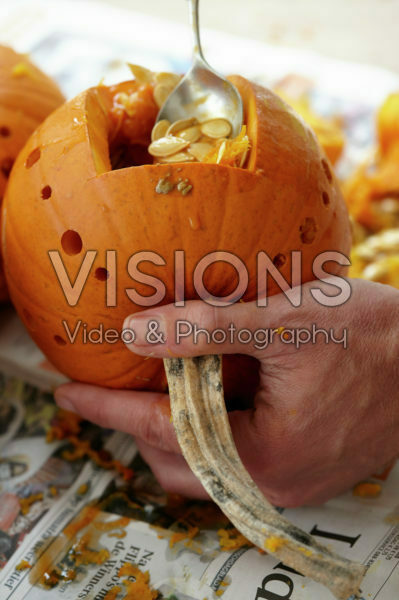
(63, 400)
(148, 330)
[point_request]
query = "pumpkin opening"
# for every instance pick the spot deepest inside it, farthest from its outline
(130, 111)
(71, 242)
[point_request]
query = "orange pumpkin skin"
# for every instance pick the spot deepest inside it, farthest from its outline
(27, 97)
(263, 207)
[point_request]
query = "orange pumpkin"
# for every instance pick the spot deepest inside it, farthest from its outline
(27, 96)
(65, 195)
(388, 123)
(372, 193)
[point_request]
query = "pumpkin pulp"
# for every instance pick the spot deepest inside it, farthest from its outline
(130, 111)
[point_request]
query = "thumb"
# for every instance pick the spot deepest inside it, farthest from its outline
(198, 328)
(242, 328)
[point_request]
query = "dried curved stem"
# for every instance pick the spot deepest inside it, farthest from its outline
(203, 431)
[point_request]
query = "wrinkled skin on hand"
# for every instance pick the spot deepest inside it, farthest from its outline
(323, 418)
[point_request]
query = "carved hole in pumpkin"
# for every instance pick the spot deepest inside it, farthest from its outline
(101, 274)
(307, 230)
(71, 242)
(33, 158)
(5, 131)
(59, 340)
(46, 192)
(6, 166)
(279, 260)
(327, 170)
(326, 199)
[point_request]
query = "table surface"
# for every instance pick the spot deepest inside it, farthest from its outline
(356, 30)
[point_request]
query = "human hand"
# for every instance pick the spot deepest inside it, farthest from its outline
(323, 418)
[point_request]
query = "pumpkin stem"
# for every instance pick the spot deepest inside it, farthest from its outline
(203, 431)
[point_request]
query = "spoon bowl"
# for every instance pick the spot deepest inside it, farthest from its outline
(203, 93)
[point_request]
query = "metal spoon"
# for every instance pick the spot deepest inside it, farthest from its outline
(203, 93)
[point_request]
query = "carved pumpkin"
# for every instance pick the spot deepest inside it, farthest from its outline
(65, 195)
(27, 96)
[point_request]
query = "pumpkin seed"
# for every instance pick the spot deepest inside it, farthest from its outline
(389, 206)
(161, 93)
(376, 271)
(199, 150)
(216, 128)
(176, 158)
(159, 130)
(181, 124)
(191, 134)
(166, 146)
(141, 74)
(168, 79)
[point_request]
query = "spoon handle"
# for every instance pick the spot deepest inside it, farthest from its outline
(194, 22)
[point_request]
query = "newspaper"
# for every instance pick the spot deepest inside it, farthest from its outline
(20, 357)
(152, 533)
(191, 568)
